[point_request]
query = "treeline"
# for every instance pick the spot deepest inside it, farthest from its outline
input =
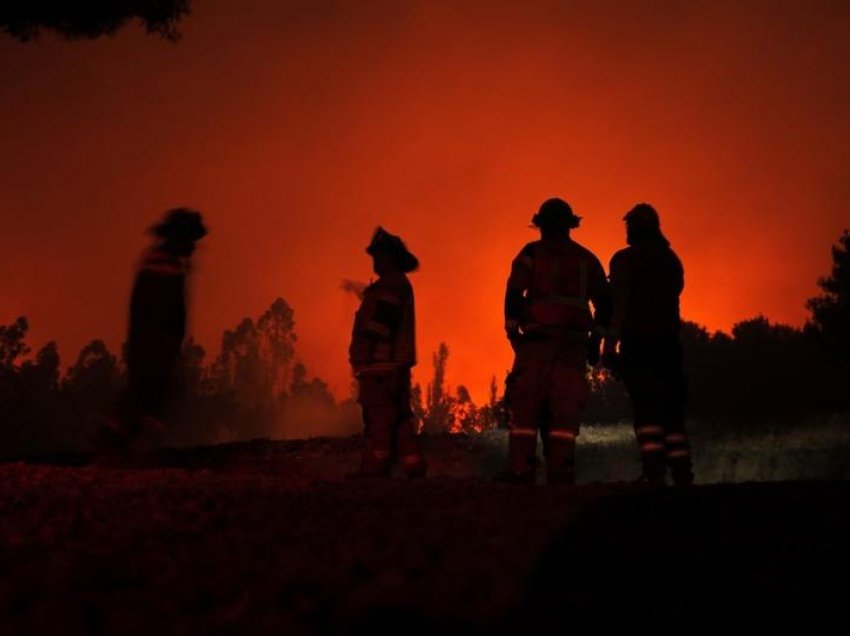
(255, 387)
(759, 369)
(762, 368)
(439, 409)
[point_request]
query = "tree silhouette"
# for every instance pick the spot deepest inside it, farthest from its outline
(445, 411)
(830, 320)
(276, 338)
(313, 389)
(238, 367)
(43, 372)
(36, 407)
(12, 345)
(77, 19)
(93, 383)
(465, 415)
(438, 401)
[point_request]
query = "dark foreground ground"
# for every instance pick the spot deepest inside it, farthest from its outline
(269, 537)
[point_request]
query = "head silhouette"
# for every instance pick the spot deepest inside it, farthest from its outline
(389, 253)
(643, 225)
(555, 218)
(179, 230)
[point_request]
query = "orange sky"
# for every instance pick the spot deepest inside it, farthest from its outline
(297, 127)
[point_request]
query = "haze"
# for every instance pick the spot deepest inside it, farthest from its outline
(297, 127)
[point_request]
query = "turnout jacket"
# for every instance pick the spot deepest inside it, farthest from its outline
(157, 307)
(647, 280)
(551, 286)
(383, 336)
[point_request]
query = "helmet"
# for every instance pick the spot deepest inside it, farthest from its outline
(385, 243)
(183, 223)
(554, 212)
(643, 216)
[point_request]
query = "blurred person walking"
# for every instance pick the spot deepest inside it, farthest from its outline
(647, 278)
(382, 352)
(157, 326)
(554, 334)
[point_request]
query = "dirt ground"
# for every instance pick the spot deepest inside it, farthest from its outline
(269, 537)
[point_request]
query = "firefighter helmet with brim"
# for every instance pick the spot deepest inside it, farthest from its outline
(180, 223)
(556, 212)
(385, 243)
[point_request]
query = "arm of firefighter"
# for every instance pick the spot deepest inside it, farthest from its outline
(619, 290)
(600, 295)
(518, 282)
(680, 276)
(602, 298)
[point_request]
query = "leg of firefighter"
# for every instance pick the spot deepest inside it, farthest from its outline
(522, 447)
(649, 430)
(378, 423)
(409, 454)
(522, 435)
(380, 414)
(676, 446)
(568, 397)
(526, 391)
(560, 456)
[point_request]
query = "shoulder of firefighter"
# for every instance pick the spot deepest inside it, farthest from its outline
(656, 276)
(159, 262)
(383, 336)
(551, 289)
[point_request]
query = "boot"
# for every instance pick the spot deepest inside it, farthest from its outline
(683, 475)
(560, 457)
(522, 457)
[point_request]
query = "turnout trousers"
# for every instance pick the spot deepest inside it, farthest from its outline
(655, 380)
(546, 393)
(389, 426)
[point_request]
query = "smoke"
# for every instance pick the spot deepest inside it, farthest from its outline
(306, 417)
(355, 287)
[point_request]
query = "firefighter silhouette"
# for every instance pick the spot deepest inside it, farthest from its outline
(553, 331)
(157, 326)
(382, 353)
(646, 279)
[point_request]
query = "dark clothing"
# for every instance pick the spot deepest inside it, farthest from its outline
(647, 280)
(382, 351)
(546, 391)
(654, 378)
(548, 298)
(388, 422)
(384, 332)
(155, 336)
(550, 285)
